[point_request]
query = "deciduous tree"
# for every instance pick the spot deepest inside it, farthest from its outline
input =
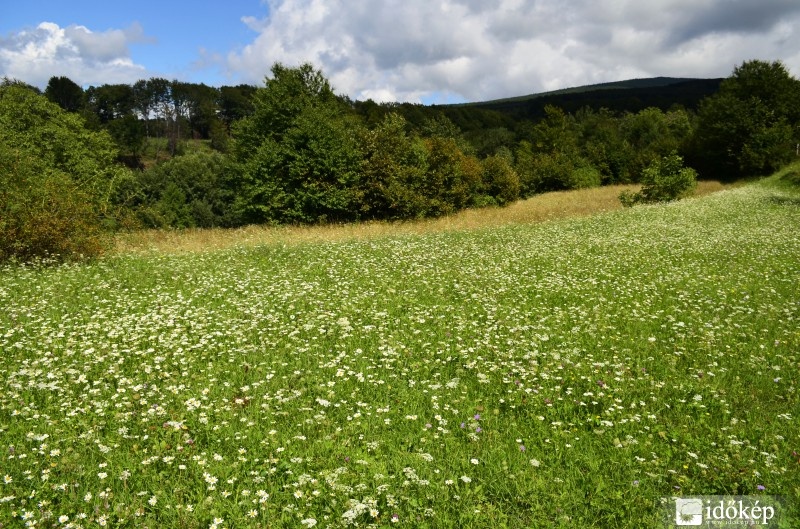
(750, 127)
(65, 93)
(299, 151)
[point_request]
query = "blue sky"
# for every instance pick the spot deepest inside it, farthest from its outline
(396, 50)
(174, 32)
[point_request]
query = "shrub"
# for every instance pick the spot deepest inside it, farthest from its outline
(584, 177)
(193, 190)
(57, 180)
(43, 213)
(500, 180)
(663, 180)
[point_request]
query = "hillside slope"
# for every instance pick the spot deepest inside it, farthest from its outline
(631, 95)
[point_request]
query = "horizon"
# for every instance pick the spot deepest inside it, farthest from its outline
(444, 52)
(557, 91)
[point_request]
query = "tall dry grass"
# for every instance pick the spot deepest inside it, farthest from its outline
(540, 208)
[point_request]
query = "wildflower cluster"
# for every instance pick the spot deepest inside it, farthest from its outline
(440, 380)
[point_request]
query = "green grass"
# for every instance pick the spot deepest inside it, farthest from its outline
(565, 374)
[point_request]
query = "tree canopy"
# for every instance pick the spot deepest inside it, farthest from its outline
(750, 126)
(298, 151)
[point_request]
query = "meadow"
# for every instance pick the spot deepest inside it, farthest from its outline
(568, 373)
(549, 206)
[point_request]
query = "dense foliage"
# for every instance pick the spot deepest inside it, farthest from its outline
(57, 179)
(663, 180)
(752, 125)
(298, 151)
(193, 190)
(293, 151)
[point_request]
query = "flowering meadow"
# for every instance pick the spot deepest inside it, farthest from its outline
(566, 374)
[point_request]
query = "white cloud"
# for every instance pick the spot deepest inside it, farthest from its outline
(84, 56)
(479, 50)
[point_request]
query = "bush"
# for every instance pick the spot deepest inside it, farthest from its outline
(43, 213)
(57, 180)
(585, 177)
(500, 180)
(663, 180)
(193, 190)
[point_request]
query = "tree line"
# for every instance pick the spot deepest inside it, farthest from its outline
(157, 109)
(75, 163)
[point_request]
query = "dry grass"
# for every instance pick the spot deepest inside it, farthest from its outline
(540, 208)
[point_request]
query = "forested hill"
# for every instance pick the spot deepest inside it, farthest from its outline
(619, 97)
(632, 96)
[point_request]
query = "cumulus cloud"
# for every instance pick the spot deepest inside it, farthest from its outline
(83, 55)
(423, 50)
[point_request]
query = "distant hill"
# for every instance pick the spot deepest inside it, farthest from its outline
(631, 95)
(510, 113)
(651, 82)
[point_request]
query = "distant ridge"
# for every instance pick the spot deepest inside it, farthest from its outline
(649, 82)
(630, 95)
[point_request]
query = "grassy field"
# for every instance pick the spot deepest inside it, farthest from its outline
(492, 373)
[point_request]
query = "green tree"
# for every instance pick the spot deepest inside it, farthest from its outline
(158, 90)
(490, 141)
(192, 190)
(65, 93)
(299, 151)
(440, 126)
(201, 110)
(548, 161)
(143, 103)
(177, 105)
(393, 172)
(556, 133)
(604, 145)
(109, 102)
(453, 179)
(651, 134)
(500, 181)
(235, 103)
(750, 127)
(372, 112)
(129, 134)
